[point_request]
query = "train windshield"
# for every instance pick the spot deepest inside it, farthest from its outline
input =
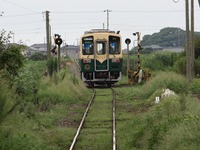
(101, 48)
(114, 45)
(87, 46)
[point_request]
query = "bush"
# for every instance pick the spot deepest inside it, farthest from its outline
(63, 87)
(180, 66)
(19, 141)
(38, 56)
(11, 59)
(3, 97)
(159, 60)
(195, 86)
(197, 66)
(26, 82)
(162, 80)
(52, 66)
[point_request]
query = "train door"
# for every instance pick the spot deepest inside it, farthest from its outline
(101, 56)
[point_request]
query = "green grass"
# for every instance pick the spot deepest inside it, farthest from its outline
(52, 123)
(171, 124)
(174, 123)
(97, 131)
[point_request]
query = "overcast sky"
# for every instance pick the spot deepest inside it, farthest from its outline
(70, 18)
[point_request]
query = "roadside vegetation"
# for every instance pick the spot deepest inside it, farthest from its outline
(37, 111)
(41, 108)
(174, 122)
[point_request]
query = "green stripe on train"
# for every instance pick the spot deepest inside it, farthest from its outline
(89, 67)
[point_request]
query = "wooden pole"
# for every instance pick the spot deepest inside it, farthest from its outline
(47, 34)
(188, 72)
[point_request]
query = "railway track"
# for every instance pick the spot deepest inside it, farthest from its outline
(97, 129)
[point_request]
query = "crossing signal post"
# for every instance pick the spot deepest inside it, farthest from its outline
(137, 75)
(128, 41)
(139, 48)
(58, 41)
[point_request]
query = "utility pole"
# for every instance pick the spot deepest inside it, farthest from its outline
(107, 17)
(189, 40)
(188, 72)
(103, 26)
(192, 40)
(48, 34)
(13, 36)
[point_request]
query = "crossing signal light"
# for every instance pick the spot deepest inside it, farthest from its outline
(58, 41)
(127, 41)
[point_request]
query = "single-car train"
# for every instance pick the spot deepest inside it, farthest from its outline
(100, 57)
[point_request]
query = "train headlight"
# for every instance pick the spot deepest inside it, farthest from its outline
(86, 61)
(87, 67)
(115, 60)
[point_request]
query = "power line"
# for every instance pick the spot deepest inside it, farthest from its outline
(150, 11)
(20, 6)
(21, 15)
(125, 11)
(76, 12)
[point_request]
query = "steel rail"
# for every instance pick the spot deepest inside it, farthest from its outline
(114, 119)
(82, 121)
(77, 64)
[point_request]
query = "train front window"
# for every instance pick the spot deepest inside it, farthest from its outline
(87, 46)
(101, 48)
(114, 45)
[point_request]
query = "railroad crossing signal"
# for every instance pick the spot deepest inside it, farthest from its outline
(57, 39)
(127, 41)
(136, 76)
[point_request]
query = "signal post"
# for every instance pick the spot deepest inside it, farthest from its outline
(58, 41)
(138, 75)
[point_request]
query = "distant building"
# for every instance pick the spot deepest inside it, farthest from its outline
(41, 48)
(168, 49)
(153, 47)
(65, 49)
(174, 49)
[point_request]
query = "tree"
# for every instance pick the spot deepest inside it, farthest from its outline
(167, 37)
(11, 58)
(38, 56)
(197, 46)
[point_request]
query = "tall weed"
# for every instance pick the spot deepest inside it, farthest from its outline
(195, 86)
(162, 80)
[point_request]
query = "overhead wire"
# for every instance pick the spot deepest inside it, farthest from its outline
(28, 9)
(82, 12)
(21, 15)
(123, 11)
(65, 12)
(149, 11)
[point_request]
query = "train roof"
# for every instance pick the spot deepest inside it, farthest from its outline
(99, 31)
